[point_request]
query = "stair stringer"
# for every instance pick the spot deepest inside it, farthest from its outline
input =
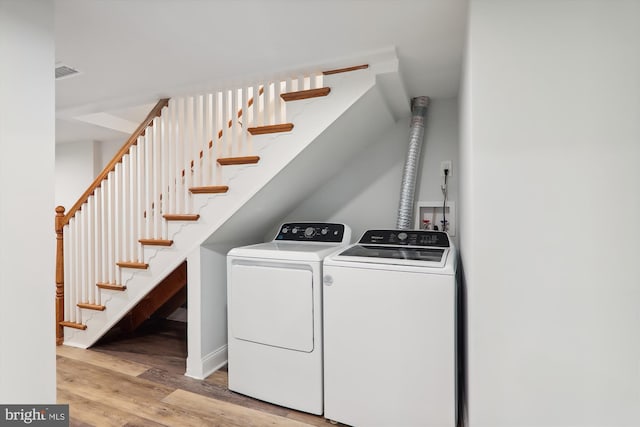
(312, 118)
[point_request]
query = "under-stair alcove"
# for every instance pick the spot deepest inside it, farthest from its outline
(154, 332)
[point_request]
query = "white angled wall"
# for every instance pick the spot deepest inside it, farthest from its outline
(365, 194)
(27, 283)
(550, 201)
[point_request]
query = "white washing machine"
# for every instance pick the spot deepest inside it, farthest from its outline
(274, 293)
(390, 331)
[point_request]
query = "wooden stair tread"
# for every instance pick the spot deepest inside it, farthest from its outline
(128, 264)
(305, 94)
(73, 325)
(111, 287)
(345, 70)
(181, 217)
(211, 189)
(155, 242)
(262, 130)
(91, 306)
(246, 160)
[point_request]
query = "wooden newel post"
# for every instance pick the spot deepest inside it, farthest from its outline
(59, 274)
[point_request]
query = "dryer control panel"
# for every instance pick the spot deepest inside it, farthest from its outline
(312, 232)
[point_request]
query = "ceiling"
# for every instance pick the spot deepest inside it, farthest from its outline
(130, 53)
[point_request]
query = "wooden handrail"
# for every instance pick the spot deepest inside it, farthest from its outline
(133, 140)
(345, 70)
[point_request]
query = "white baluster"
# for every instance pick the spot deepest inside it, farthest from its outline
(82, 280)
(208, 138)
(198, 145)
(124, 215)
(218, 141)
(157, 178)
(111, 251)
(258, 110)
(226, 132)
(246, 114)
(99, 243)
(277, 102)
(104, 225)
(68, 306)
(72, 269)
(133, 203)
(254, 119)
(128, 207)
(319, 80)
(91, 252)
(190, 155)
(151, 182)
(165, 134)
(148, 186)
(171, 160)
(269, 90)
(236, 131)
(118, 213)
(77, 265)
(141, 206)
(181, 206)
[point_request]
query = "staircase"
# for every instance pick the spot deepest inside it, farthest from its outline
(205, 168)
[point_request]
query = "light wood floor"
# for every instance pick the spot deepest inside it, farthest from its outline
(139, 381)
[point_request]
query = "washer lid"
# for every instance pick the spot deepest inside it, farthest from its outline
(397, 255)
(400, 247)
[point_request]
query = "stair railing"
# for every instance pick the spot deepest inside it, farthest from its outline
(178, 150)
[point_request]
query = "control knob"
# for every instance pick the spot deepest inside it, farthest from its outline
(309, 232)
(324, 231)
(402, 236)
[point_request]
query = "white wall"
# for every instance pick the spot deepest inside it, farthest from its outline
(27, 104)
(551, 201)
(105, 151)
(207, 309)
(78, 164)
(75, 170)
(365, 194)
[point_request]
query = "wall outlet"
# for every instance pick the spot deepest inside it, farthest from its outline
(446, 165)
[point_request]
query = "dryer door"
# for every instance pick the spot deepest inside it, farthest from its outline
(272, 305)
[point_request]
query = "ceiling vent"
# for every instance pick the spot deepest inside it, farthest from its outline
(65, 71)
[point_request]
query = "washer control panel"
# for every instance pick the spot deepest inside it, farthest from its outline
(311, 232)
(406, 238)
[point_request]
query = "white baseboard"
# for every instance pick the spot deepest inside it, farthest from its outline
(202, 368)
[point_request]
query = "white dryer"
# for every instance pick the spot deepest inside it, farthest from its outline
(274, 293)
(390, 331)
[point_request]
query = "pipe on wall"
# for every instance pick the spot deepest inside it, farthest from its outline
(409, 176)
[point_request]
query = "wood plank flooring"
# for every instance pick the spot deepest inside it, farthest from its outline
(138, 380)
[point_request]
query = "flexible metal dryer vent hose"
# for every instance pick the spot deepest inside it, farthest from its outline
(408, 188)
